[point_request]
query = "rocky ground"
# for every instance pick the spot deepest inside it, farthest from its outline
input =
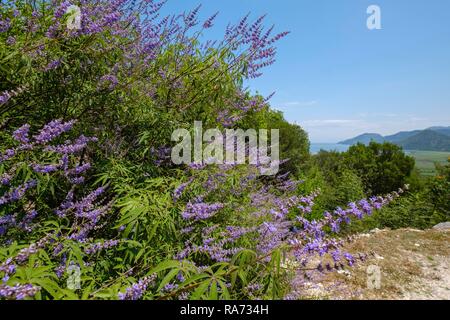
(413, 264)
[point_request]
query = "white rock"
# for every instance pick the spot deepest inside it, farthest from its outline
(442, 226)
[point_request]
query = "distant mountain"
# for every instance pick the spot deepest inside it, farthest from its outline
(431, 139)
(443, 130)
(365, 138)
(402, 135)
(427, 140)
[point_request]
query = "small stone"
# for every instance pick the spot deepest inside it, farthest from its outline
(442, 226)
(345, 273)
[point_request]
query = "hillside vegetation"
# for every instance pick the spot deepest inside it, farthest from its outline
(426, 161)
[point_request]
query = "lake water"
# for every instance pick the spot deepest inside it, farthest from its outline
(316, 147)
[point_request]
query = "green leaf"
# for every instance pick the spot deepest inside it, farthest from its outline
(200, 291)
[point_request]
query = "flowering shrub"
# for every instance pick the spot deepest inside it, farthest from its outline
(100, 194)
(216, 232)
(25, 215)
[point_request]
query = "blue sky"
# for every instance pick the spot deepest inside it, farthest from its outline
(338, 79)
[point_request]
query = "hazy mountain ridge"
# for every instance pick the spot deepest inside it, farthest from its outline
(443, 130)
(402, 135)
(365, 138)
(430, 139)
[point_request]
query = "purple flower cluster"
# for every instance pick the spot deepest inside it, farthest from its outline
(88, 209)
(33, 248)
(209, 22)
(5, 25)
(197, 166)
(16, 194)
(214, 249)
(311, 238)
(226, 119)
(25, 224)
(85, 208)
(18, 292)
(200, 210)
(48, 168)
(6, 222)
(358, 210)
(238, 106)
(52, 130)
(61, 9)
(272, 234)
(21, 134)
(180, 189)
(48, 133)
(260, 42)
(137, 290)
(72, 147)
(59, 271)
(109, 81)
(52, 65)
(8, 268)
(8, 154)
(252, 290)
(7, 95)
(162, 155)
(169, 288)
(5, 179)
(10, 265)
(218, 247)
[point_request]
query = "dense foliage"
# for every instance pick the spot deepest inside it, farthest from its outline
(381, 167)
(371, 169)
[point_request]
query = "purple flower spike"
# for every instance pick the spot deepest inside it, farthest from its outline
(18, 292)
(137, 290)
(53, 130)
(21, 134)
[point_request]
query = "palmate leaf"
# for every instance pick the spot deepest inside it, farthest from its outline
(201, 290)
(213, 290)
(209, 289)
(108, 293)
(41, 276)
(225, 293)
(68, 295)
(169, 276)
(244, 260)
(168, 264)
(87, 291)
(51, 287)
(194, 279)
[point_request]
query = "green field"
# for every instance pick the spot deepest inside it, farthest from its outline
(425, 160)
